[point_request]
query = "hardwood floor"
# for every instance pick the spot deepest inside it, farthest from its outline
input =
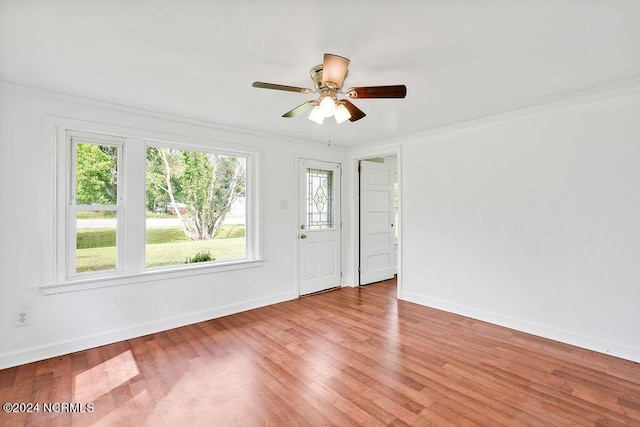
(345, 357)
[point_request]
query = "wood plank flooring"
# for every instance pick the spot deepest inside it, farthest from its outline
(344, 357)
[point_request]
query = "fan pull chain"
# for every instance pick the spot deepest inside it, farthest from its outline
(329, 135)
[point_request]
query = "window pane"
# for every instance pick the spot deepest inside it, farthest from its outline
(395, 205)
(95, 241)
(96, 174)
(319, 199)
(195, 207)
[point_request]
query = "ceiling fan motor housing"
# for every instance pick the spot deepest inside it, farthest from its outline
(316, 76)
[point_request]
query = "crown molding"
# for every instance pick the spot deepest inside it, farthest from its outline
(631, 87)
(151, 114)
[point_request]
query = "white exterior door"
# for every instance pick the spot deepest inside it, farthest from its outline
(319, 225)
(377, 217)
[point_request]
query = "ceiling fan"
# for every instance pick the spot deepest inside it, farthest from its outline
(328, 79)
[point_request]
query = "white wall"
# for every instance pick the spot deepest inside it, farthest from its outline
(73, 321)
(531, 221)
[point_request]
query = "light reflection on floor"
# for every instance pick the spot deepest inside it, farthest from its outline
(205, 392)
(101, 379)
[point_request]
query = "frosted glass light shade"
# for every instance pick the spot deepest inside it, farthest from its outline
(342, 114)
(316, 115)
(327, 106)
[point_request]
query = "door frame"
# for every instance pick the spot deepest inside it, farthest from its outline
(373, 266)
(354, 232)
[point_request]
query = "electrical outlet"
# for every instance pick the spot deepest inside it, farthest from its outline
(23, 317)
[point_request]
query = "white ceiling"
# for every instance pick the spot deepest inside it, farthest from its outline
(460, 60)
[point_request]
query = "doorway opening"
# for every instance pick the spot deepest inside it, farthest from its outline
(378, 218)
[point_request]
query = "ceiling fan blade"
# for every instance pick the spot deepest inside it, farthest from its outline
(334, 70)
(300, 109)
(356, 113)
(263, 85)
(395, 91)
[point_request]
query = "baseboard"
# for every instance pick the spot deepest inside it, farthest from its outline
(545, 331)
(60, 348)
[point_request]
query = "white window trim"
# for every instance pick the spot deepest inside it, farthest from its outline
(97, 282)
(57, 279)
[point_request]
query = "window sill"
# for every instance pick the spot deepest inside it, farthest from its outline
(147, 276)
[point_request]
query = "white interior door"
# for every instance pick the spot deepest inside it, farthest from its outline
(319, 225)
(377, 217)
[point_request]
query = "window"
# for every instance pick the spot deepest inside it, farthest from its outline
(196, 206)
(319, 199)
(395, 207)
(133, 207)
(94, 205)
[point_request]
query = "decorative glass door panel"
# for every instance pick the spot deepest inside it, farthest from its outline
(319, 199)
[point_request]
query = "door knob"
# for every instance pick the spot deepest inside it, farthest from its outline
(303, 236)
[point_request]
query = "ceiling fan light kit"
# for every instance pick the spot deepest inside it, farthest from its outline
(316, 115)
(342, 114)
(327, 106)
(328, 79)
